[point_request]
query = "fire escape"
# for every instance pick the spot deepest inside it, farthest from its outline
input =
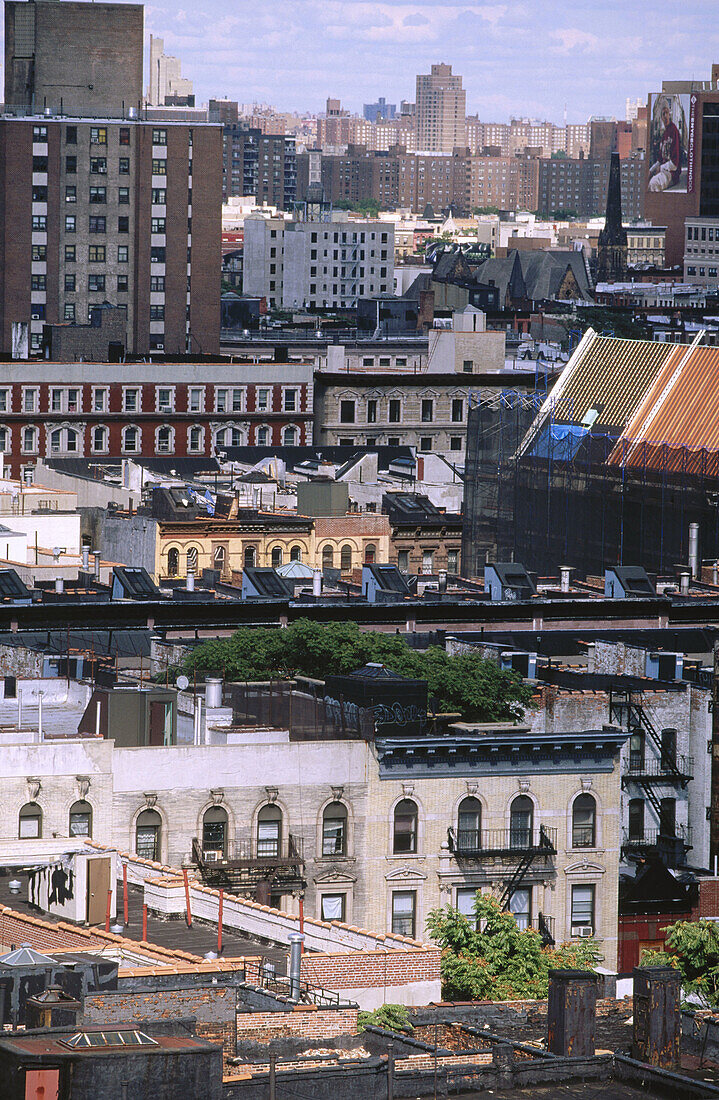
(252, 868)
(667, 769)
(517, 850)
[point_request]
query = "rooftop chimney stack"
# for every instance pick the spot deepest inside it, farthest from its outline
(86, 559)
(97, 558)
(190, 582)
(694, 550)
(564, 575)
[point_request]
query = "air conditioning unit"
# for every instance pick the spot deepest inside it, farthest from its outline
(35, 316)
(583, 931)
(159, 347)
(213, 856)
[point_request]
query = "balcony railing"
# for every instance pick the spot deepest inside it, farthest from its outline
(251, 853)
(639, 767)
(475, 843)
(652, 838)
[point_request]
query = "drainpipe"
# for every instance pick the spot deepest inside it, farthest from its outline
(296, 941)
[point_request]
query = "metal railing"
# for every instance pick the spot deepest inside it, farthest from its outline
(651, 838)
(487, 842)
(251, 852)
(309, 994)
(664, 767)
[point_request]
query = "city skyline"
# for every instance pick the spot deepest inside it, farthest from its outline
(590, 59)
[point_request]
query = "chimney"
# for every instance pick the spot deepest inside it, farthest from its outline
(296, 941)
(657, 1015)
(86, 558)
(317, 583)
(564, 575)
(694, 549)
(442, 585)
(190, 582)
(684, 579)
(97, 556)
(571, 1013)
(715, 573)
(59, 585)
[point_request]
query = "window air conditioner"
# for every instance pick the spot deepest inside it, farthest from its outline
(213, 856)
(583, 931)
(159, 347)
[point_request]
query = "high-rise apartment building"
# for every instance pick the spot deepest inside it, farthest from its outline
(168, 87)
(98, 204)
(257, 164)
(441, 110)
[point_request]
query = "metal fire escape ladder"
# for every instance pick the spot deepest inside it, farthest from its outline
(626, 709)
(543, 848)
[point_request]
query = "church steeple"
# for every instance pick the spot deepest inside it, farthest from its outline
(612, 243)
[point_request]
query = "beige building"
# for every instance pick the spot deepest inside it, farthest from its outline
(441, 111)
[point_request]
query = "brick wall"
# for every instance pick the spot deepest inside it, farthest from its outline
(213, 1007)
(372, 968)
(305, 1022)
(709, 898)
(44, 936)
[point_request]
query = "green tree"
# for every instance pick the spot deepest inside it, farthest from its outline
(559, 154)
(694, 951)
(468, 684)
(562, 215)
(390, 1016)
(486, 210)
(498, 961)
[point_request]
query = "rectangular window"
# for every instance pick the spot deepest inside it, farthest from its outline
(164, 396)
(221, 399)
(427, 410)
(123, 253)
(98, 135)
(157, 284)
(290, 400)
(98, 166)
(69, 282)
(158, 225)
(70, 193)
(159, 137)
(95, 283)
(457, 410)
(38, 282)
(96, 254)
(4, 401)
(123, 224)
(39, 164)
(98, 224)
(39, 133)
(395, 410)
(39, 223)
(131, 401)
(124, 135)
(69, 253)
(263, 399)
(347, 412)
(39, 253)
(582, 908)
(157, 254)
(73, 400)
(520, 906)
(468, 366)
(159, 167)
(70, 165)
(425, 443)
(333, 907)
(195, 400)
(124, 166)
(237, 402)
(29, 401)
(98, 195)
(70, 223)
(69, 312)
(123, 196)
(56, 401)
(404, 906)
(453, 561)
(122, 283)
(159, 196)
(71, 135)
(99, 401)
(157, 313)
(371, 411)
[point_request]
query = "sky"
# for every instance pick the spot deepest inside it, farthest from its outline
(516, 58)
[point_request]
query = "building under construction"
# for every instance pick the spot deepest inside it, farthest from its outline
(610, 467)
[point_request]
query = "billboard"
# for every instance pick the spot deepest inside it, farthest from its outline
(670, 142)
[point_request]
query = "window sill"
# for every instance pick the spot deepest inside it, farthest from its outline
(406, 855)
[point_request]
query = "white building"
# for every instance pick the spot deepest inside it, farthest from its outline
(317, 264)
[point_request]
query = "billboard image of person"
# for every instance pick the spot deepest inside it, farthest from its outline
(668, 142)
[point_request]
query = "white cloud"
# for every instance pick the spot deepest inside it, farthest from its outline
(571, 40)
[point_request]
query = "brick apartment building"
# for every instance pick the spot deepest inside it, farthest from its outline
(175, 409)
(262, 165)
(96, 203)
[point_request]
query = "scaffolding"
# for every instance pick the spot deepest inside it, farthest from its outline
(549, 491)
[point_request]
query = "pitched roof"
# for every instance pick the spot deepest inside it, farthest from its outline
(537, 275)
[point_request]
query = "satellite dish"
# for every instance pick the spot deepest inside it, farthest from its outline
(182, 683)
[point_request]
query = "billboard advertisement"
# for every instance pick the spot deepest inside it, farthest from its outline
(671, 142)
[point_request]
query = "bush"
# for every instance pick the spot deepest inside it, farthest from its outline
(390, 1017)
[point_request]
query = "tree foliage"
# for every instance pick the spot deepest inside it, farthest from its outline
(391, 1017)
(471, 685)
(694, 951)
(497, 961)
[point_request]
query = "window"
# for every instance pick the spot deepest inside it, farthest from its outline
(395, 409)
(70, 253)
(425, 443)
(164, 440)
(4, 401)
(71, 193)
(346, 558)
(403, 561)
(636, 751)
(56, 401)
(404, 906)
(39, 133)
(276, 557)
(99, 400)
(636, 819)
(669, 748)
(159, 137)
(269, 831)
(159, 196)
(668, 817)
(290, 399)
(157, 254)
(124, 135)
(263, 397)
(123, 253)
(123, 226)
(39, 253)
(214, 830)
(584, 816)
(39, 223)
(98, 195)
(158, 225)
(468, 366)
(148, 834)
(347, 412)
(122, 283)
(427, 410)
(39, 193)
(453, 561)
(328, 557)
(405, 827)
(98, 166)
(457, 410)
(289, 437)
(219, 558)
(520, 906)
(98, 223)
(370, 553)
(250, 555)
(173, 562)
(164, 400)
(131, 402)
(466, 896)
(455, 443)
(71, 135)
(29, 400)
(295, 553)
(371, 411)
(124, 166)
(99, 439)
(191, 560)
(469, 825)
(263, 437)
(427, 561)
(333, 906)
(123, 196)
(28, 440)
(159, 166)
(195, 401)
(38, 282)
(157, 313)
(39, 164)
(582, 908)
(30, 822)
(195, 440)
(96, 254)
(130, 440)
(521, 819)
(334, 830)
(157, 284)
(81, 819)
(95, 283)
(98, 135)
(69, 311)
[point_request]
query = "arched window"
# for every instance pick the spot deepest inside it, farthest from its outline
(30, 822)
(295, 553)
(269, 831)
(219, 558)
(249, 555)
(469, 825)
(81, 819)
(328, 557)
(263, 437)
(173, 561)
(289, 437)
(521, 819)
(71, 444)
(370, 552)
(405, 827)
(346, 558)
(56, 441)
(636, 819)
(334, 830)
(584, 821)
(214, 830)
(148, 834)
(235, 437)
(192, 560)
(164, 440)
(98, 439)
(276, 557)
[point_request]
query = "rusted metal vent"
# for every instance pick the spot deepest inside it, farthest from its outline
(572, 1012)
(657, 1015)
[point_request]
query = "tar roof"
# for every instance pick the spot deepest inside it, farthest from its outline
(267, 582)
(136, 583)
